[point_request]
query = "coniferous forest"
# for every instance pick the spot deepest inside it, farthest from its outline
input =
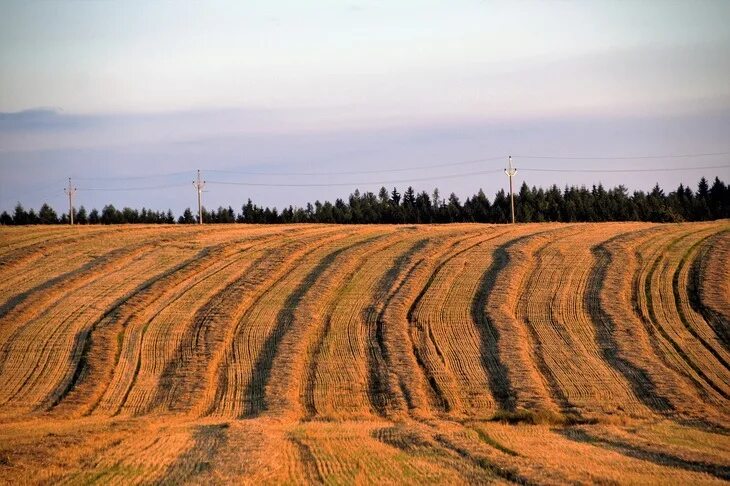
(571, 204)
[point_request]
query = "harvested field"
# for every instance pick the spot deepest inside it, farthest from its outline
(535, 354)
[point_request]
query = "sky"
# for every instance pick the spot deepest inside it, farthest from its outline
(285, 102)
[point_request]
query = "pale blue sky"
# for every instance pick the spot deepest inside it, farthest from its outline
(122, 88)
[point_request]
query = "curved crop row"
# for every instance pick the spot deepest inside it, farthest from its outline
(410, 383)
(249, 342)
(341, 380)
(708, 287)
(365, 354)
(521, 382)
(38, 355)
(659, 307)
(452, 340)
(321, 321)
(290, 381)
(150, 326)
(555, 307)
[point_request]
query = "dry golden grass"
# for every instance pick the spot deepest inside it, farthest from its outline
(535, 354)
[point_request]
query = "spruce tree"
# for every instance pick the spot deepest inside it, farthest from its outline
(47, 215)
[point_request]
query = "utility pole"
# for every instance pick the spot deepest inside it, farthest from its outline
(511, 171)
(199, 185)
(70, 190)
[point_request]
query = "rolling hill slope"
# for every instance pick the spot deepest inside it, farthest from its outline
(541, 353)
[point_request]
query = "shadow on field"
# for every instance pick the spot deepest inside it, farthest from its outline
(198, 460)
(382, 398)
(499, 381)
(605, 328)
(655, 457)
(713, 318)
(262, 369)
(86, 268)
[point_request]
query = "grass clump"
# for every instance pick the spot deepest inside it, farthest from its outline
(531, 417)
(5, 459)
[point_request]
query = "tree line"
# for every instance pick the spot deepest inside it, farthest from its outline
(571, 204)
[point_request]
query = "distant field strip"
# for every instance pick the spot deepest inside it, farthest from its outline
(242, 339)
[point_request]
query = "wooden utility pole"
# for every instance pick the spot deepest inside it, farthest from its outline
(70, 190)
(199, 185)
(511, 171)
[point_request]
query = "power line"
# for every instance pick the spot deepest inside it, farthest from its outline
(130, 178)
(50, 188)
(454, 176)
(418, 179)
(122, 189)
(440, 165)
(656, 169)
(468, 162)
(360, 183)
(320, 173)
(625, 157)
(359, 172)
(393, 170)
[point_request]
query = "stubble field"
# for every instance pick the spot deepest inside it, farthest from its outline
(535, 354)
